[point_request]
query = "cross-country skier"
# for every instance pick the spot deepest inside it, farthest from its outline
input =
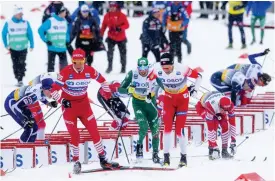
(17, 105)
(175, 103)
(213, 108)
(140, 84)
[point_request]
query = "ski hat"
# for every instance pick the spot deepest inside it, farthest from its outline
(113, 4)
(225, 103)
(47, 83)
(155, 10)
(85, 8)
(265, 78)
(143, 63)
(78, 55)
(17, 10)
(62, 9)
(166, 59)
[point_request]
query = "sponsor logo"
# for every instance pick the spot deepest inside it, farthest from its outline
(173, 80)
(160, 73)
(70, 76)
(87, 75)
(78, 83)
(135, 76)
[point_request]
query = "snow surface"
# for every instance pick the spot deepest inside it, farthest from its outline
(209, 39)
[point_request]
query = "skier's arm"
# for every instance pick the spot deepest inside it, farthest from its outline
(185, 17)
(30, 35)
(43, 28)
(252, 57)
(103, 26)
(125, 24)
(4, 35)
(123, 89)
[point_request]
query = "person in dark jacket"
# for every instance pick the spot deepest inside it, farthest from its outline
(117, 23)
(151, 34)
(86, 30)
(176, 19)
(258, 9)
(93, 11)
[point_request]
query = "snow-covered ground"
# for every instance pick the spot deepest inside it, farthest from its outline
(209, 39)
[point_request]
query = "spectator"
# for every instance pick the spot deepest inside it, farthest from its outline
(217, 3)
(138, 13)
(98, 5)
(86, 30)
(151, 34)
(188, 7)
(236, 10)
(52, 9)
(117, 23)
(19, 34)
(55, 33)
(176, 19)
(205, 5)
(259, 9)
(93, 11)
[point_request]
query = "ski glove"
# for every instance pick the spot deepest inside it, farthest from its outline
(53, 104)
(219, 116)
(233, 148)
(66, 103)
(193, 91)
(49, 43)
(131, 90)
(148, 98)
(118, 29)
(266, 51)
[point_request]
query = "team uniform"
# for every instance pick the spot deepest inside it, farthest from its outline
(36, 109)
(231, 82)
(76, 104)
(212, 108)
(175, 104)
(17, 102)
(114, 105)
(144, 104)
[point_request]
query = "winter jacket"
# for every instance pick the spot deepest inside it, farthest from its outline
(151, 31)
(18, 36)
(55, 29)
(258, 8)
(93, 12)
(117, 23)
(86, 31)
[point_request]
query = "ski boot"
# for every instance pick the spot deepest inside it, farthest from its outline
(233, 148)
(225, 154)
(19, 84)
(155, 157)
(183, 161)
(109, 69)
(77, 167)
(243, 46)
(261, 42)
(123, 70)
(230, 46)
(214, 153)
(166, 161)
(139, 153)
(253, 41)
(105, 164)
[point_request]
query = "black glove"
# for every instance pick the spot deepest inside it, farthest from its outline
(53, 104)
(192, 90)
(238, 7)
(66, 103)
(219, 116)
(118, 29)
(148, 98)
(49, 43)
(266, 51)
(28, 123)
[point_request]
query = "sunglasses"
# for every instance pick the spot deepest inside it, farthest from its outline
(142, 68)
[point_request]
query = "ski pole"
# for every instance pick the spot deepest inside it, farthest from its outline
(119, 135)
(37, 123)
(271, 119)
(242, 141)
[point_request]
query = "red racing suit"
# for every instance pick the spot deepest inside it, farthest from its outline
(74, 88)
(209, 109)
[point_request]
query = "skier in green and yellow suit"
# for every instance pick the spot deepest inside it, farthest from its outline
(141, 83)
